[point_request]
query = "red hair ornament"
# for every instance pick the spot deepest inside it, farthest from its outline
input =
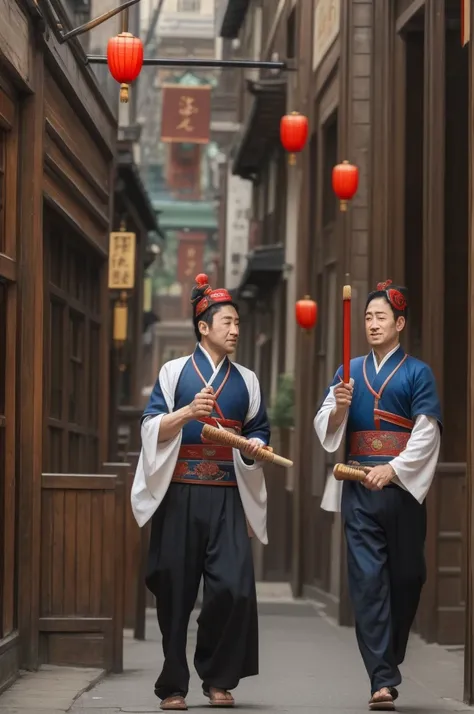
(396, 299)
(211, 297)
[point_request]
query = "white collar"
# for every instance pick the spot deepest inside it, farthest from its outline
(377, 366)
(215, 370)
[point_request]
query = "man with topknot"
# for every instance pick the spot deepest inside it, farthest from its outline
(205, 502)
(390, 416)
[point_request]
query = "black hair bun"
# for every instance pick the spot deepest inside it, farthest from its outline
(200, 288)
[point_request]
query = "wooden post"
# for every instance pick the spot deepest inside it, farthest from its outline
(120, 470)
(30, 382)
(433, 262)
(469, 550)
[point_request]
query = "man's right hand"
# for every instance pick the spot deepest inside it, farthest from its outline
(203, 403)
(343, 395)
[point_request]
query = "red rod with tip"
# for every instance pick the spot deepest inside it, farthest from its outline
(346, 338)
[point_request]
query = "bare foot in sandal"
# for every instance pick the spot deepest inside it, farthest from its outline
(220, 697)
(174, 702)
(382, 701)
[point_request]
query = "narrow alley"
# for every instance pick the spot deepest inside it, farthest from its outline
(308, 664)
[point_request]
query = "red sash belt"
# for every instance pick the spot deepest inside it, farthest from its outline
(226, 423)
(377, 443)
(205, 452)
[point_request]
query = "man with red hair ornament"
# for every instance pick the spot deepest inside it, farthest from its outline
(390, 417)
(204, 501)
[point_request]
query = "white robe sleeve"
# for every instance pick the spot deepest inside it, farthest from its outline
(157, 459)
(415, 467)
(250, 477)
(329, 442)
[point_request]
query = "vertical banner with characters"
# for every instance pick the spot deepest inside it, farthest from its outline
(190, 263)
(186, 114)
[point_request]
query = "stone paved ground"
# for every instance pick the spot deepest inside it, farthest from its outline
(308, 664)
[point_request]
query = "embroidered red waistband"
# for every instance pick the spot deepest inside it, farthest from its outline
(205, 452)
(204, 473)
(377, 443)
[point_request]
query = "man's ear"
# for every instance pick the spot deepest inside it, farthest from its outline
(400, 324)
(203, 327)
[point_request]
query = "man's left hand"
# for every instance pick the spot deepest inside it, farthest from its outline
(378, 477)
(254, 446)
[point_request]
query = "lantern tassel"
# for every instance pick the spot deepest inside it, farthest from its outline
(343, 206)
(292, 160)
(124, 93)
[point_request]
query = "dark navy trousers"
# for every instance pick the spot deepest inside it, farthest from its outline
(201, 531)
(385, 533)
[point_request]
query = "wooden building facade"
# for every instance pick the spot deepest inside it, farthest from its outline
(389, 91)
(57, 181)
(389, 87)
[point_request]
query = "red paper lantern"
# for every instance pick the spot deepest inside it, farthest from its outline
(345, 180)
(293, 133)
(306, 313)
(125, 60)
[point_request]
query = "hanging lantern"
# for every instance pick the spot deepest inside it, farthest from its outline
(306, 313)
(293, 134)
(125, 60)
(345, 180)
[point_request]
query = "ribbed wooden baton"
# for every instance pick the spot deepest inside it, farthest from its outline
(348, 473)
(221, 436)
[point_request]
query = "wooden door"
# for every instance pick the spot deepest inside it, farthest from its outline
(8, 307)
(74, 392)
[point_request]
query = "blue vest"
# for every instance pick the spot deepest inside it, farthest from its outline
(385, 406)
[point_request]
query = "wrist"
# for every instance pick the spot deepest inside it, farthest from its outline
(187, 414)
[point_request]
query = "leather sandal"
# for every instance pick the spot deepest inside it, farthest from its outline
(217, 701)
(175, 702)
(383, 702)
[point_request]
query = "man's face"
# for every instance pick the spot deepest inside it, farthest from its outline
(224, 331)
(381, 327)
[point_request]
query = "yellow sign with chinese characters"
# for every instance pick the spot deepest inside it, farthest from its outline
(122, 260)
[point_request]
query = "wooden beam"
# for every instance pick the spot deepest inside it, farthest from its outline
(407, 16)
(30, 382)
(469, 550)
(433, 258)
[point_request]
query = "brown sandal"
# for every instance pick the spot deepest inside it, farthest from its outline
(223, 702)
(383, 702)
(175, 702)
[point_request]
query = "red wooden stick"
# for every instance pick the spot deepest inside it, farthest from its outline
(346, 339)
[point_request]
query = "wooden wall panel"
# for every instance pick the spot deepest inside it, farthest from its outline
(451, 531)
(14, 38)
(73, 131)
(81, 537)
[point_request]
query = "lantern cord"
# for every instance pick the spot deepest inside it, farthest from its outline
(346, 338)
(86, 27)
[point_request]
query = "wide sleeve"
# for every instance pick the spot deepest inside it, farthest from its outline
(250, 476)
(256, 424)
(415, 467)
(329, 441)
(157, 459)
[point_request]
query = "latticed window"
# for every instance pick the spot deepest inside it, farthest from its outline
(73, 356)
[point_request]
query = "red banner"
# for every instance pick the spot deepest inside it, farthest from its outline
(186, 114)
(190, 257)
